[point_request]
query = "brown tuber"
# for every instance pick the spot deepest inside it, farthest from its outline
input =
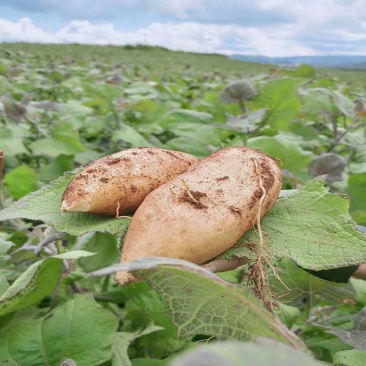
(118, 183)
(204, 211)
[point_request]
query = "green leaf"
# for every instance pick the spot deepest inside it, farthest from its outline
(21, 181)
(298, 287)
(173, 118)
(31, 286)
(281, 99)
(106, 248)
(353, 357)
(64, 140)
(121, 342)
(130, 135)
(325, 103)
(356, 189)
(233, 353)
(355, 337)
(35, 283)
(56, 168)
(45, 204)
(201, 303)
(11, 143)
(291, 157)
(144, 307)
(79, 330)
(311, 226)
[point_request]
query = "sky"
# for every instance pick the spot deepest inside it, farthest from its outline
(274, 28)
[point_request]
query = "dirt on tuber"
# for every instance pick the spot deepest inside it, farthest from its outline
(117, 184)
(204, 211)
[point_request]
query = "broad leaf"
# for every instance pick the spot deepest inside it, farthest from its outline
(10, 141)
(144, 307)
(282, 100)
(290, 156)
(311, 226)
(21, 181)
(79, 330)
(199, 302)
(354, 357)
(106, 248)
(45, 205)
(356, 189)
(64, 140)
(36, 282)
(121, 342)
(298, 287)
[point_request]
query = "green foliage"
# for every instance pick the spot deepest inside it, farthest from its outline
(62, 106)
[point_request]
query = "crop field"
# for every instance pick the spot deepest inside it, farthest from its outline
(285, 286)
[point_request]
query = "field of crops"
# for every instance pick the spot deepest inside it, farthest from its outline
(64, 106)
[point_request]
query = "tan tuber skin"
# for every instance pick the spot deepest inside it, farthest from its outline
(204, 211)
(117, 184)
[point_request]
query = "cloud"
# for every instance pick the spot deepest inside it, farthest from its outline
(265, 27)
(24, 30)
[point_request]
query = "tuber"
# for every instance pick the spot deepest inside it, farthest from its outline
(204, 211)
(117, 184)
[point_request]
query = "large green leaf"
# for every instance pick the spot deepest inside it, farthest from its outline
(281, 99)
(79, 330)
(64, 139)
(106, 248)
(21, 181)
(290, 155)
(45, 203)
(201, 303)
(144, 307)
(311, 226)
(36, 282)
(298, 287)
(356, 189)
(354, 357)
(11, 142)
(122, 341)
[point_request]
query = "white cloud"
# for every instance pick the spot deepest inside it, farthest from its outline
(271, 40)
(24, 30)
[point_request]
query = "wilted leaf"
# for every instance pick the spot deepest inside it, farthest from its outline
(332, 165)
(355, 337)
(246, 124)
(311, 226)
(237, 91)
(79, 330)
(45, 204)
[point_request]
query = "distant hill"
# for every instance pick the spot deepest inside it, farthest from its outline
(358, 62)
